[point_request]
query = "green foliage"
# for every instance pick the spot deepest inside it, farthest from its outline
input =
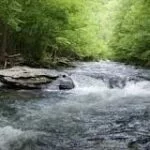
(131, 37)
(60, 28)
(45, 30)
(9, 13)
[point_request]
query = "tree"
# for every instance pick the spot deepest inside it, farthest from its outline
(131, 37)
(9, 12)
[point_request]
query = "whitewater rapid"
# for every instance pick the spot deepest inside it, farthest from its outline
(109, 109)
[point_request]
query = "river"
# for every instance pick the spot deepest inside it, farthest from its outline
(108, 110)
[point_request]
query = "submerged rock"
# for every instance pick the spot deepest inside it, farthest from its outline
(1, 84)
(29, 78)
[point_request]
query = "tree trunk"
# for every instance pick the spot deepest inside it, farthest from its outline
(3, 52)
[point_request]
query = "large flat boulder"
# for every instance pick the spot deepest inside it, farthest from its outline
(27, 72)
(28, 78)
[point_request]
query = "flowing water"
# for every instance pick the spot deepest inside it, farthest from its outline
(108, 110)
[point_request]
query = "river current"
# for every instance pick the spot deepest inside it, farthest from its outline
(109, 109)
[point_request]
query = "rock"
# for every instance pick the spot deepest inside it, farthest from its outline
(66, 83)
(147, 147)
(117, 82)
(30, 78)
(26, 83)
(94, 139)
(1, 84)
(27, 72)
(133, 144)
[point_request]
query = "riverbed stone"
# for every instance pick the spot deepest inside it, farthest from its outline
(1, 84)
(66, 83)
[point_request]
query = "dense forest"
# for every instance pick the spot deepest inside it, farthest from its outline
(44, 32)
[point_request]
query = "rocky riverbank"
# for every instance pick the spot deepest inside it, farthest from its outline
(32, 78)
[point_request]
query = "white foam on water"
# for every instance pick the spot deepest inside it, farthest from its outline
(17, 137)
(141, 88)
(92, 93)
(8, 134)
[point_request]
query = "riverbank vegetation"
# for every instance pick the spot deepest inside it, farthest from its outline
(131, 36)
(48, 32)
